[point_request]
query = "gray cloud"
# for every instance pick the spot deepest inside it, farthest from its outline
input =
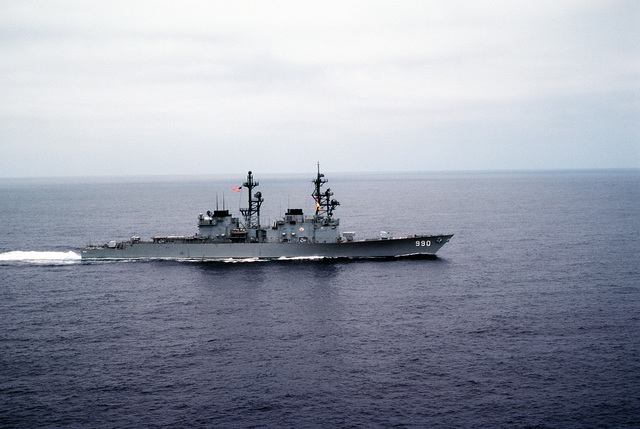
(194, 87)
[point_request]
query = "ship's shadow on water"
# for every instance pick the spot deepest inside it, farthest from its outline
(326, 266)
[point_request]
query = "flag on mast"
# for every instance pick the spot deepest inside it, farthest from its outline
(237, 188)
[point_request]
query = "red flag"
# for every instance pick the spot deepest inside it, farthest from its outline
(237, 188)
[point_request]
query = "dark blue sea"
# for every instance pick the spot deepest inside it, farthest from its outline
(529, 317)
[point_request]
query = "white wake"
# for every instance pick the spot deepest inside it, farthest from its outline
(32, 256)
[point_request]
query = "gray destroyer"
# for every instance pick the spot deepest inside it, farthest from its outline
(222, 236)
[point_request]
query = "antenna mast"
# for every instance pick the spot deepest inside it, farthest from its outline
(323, 199)
(252, 214)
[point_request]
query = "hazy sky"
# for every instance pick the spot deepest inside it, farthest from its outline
(179, 87)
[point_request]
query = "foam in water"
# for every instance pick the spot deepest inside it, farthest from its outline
(32, 256)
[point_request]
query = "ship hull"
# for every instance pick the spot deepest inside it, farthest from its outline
(426, 245)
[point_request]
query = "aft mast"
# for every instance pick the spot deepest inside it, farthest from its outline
(323, 199)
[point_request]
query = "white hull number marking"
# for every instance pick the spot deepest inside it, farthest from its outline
(423, 243)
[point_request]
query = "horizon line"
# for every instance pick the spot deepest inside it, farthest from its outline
(194, 175)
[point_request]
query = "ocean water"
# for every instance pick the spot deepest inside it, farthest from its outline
(529, 317)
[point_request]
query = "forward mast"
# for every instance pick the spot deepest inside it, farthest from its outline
(252, 213)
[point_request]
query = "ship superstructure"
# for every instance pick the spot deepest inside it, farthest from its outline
(223, 236)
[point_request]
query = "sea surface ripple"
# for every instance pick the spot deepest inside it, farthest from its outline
(529, 317)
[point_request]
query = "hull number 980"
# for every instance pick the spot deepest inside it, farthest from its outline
(423, 243)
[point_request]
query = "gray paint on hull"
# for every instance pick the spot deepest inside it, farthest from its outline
(419, 245)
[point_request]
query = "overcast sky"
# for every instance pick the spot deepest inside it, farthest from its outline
(180, 87)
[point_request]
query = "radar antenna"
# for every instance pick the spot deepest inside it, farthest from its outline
(252, 214)
(323, 199)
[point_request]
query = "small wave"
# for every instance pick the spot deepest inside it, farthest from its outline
(240, 260)
(34, 256)
(300, 258)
